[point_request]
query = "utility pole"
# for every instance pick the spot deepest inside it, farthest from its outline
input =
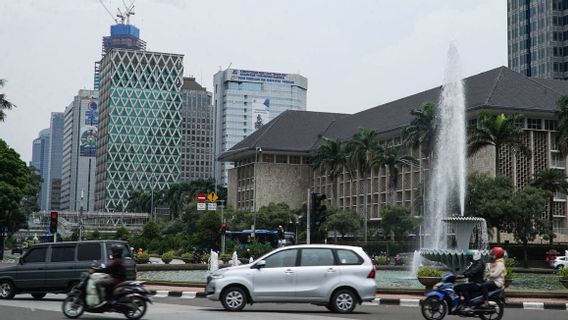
(308, 218)
(222, 222)
(81, 218)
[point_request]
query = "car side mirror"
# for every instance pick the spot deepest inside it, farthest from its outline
(259, 265)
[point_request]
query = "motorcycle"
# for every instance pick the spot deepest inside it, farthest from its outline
(129, 298)
(444, 300)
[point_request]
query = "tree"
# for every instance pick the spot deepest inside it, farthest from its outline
(274, 215)
(526, 223)
(392, 158)
(140, 201)
(551, 181)
(421, 132)
(362, 152)
(398, 221)
(207, 235)
(122, 234)
(17, 184)
(562, 116)
(151, 231)
(498, 131)
(343, 221)
(330, 158)
(489, 198)
(4, 103)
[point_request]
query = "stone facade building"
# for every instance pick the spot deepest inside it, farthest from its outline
(297, 133)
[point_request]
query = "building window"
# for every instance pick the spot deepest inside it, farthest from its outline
(557, 160)
(281, 158)
(550, 125)
(535, 124)
(295, 159)
(268, 158)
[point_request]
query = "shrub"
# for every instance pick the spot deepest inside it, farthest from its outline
(167, 257)
(563, 273)
(187, 257)
(205, 257)
(226, 257)
(143, 257)
(382, 260)
(510, 263)
(428, 272)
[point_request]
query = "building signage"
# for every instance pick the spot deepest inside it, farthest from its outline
(88, 141)
(260, 113)
(248, 75)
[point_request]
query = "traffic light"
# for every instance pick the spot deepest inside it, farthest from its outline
(223, 228)
(318, 209)
(53, 222)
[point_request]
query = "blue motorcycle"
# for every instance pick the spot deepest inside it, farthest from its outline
(443, 300)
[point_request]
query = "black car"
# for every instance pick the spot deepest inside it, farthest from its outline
(57, 267)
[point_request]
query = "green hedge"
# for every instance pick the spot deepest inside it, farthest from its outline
(534, 251)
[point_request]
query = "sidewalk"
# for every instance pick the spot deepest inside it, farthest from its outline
(384, 298)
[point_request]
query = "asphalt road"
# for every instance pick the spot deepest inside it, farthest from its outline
(24, 308)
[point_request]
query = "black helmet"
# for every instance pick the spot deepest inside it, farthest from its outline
(116, 250)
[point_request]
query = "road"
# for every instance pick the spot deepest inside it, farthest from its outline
(24, 308)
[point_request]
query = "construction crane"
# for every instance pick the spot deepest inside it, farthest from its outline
(123, 16)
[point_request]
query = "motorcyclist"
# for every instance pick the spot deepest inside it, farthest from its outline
(116, 270)
(495, 276)
(474, 274)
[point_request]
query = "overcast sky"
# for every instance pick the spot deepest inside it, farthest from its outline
(355, 54)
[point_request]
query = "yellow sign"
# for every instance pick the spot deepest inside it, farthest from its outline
(212, 197)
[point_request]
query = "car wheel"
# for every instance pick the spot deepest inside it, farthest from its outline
(7, 289)
(560, 266)
(234, 299)
(38, 295)
(343, 301)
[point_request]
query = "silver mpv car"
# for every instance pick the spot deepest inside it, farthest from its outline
(337, 277)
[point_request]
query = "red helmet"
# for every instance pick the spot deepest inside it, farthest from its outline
(497, 253)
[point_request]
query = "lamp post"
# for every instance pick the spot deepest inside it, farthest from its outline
(257, 151)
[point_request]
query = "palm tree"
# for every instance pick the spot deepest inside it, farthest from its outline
(553, 181)
(562, 133)
(498, 131)
(330, 158)
(392, 158)
(421, 132)
(4, 104)
(362, 152)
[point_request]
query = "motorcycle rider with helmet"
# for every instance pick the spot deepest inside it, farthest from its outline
(474, 274)
(495, 276)
(116, 270)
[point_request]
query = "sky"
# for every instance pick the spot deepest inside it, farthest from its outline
(355, 54)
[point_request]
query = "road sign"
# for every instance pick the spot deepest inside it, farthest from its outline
(201, 206)
(212, 206)
(212, 197)
(201, 198)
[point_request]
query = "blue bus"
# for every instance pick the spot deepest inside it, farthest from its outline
(262, 236)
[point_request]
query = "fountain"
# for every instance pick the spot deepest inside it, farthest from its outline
(447, 238)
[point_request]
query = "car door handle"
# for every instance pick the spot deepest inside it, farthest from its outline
(331, 270)
(289, 271)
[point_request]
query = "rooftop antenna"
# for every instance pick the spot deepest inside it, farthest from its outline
(230, 64)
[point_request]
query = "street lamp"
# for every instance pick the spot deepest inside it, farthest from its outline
(258, 150)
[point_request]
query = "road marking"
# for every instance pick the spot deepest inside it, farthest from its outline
(533, 305)
(409, 302)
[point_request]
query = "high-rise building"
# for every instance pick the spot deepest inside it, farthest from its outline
(197, 132)
(55, 161)
(139, 125)
(40, 161)
(538, 38)
(122, 36)
(79, 152)
(244, 100)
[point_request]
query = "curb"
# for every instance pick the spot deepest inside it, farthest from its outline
(413, 303)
